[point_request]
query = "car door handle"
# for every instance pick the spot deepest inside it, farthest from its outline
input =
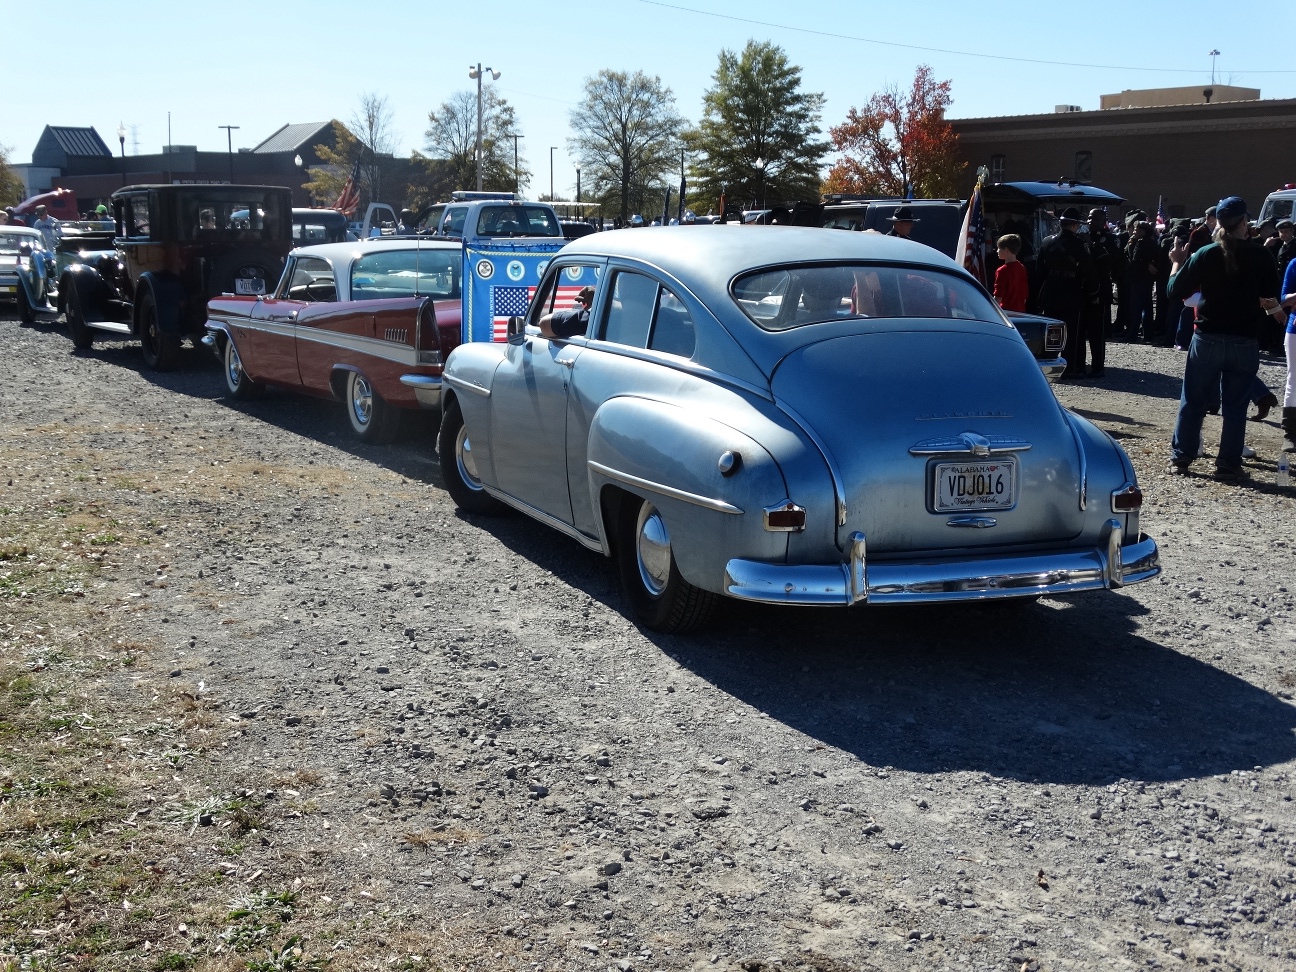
(566, 362)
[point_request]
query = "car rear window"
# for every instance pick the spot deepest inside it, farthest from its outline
(517, 221)
(406, 273)
(785, 297)
(219, 215)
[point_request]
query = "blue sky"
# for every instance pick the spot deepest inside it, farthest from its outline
(261, 65)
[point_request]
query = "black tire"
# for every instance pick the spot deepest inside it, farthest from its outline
(458, 470)
(161, 348)
(24, 306)
(251, 264)
(237, 382)
(659, 596)
(372, 419)
(83, 334)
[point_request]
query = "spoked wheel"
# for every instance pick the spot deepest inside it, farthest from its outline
(238, 383)
(161, 349)
(661, 598)
(82, 333)
(458, 466)
(372, 419)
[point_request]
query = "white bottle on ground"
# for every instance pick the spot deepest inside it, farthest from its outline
(1284, 468)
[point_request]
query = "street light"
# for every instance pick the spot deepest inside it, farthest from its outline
(552, 148)
(760, 170)
(229, 144)
(476, 72)
(121, 137)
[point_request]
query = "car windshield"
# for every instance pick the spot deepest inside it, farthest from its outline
(406, 273)
(517, 221)
(786, 297)
(11, 241)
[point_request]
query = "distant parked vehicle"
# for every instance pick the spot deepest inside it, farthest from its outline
(314, 226)
(936, 221)
(176, 246)
(27, 273)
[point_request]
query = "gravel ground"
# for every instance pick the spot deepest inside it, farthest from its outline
(1098, 782)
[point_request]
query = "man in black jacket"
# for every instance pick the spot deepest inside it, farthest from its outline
(1066, 282)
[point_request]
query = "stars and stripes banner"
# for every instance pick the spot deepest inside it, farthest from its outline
(509, 302)
(970, 252)
(349, 198)
(500, 282)
(1161, 215)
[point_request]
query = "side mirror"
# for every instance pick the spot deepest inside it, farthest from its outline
(516, 330)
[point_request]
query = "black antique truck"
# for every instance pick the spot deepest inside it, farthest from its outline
(175, 247)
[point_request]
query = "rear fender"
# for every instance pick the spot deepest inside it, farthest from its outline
(169, 296)
(90, 288)
(671, 456)
(1106, 468)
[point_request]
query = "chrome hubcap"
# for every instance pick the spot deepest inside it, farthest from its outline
(465, 461)
(234, 365)
(652, 550)
(361, 400)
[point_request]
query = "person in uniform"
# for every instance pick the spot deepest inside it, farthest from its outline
(902, 222)
(1066, 283)
(1108, 262)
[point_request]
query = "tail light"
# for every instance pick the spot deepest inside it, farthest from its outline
(1054, 337)
(785, 517)
(427, 342)
(1127, 499)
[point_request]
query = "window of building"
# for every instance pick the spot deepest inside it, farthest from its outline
(1084, 166)
(997, 168)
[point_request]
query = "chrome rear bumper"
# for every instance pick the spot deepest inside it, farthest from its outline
(857, 581)
(427, 389)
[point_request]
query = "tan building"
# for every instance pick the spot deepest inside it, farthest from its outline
(1165, 97)
(1190, 154)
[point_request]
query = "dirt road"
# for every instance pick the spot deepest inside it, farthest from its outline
(323, 704)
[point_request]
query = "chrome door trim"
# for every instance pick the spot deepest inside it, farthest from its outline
(706, 502)
(464, 385)
(593, 543)
(970, 443)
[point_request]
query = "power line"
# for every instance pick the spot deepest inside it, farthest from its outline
(934, 50)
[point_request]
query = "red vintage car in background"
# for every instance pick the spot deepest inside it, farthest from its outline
(370, 323)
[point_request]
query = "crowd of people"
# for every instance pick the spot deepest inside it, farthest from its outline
(1221, 288)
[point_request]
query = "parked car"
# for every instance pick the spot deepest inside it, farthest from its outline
(176, 246)
(1045, 336)
(498, 218)
(313, 226)
(369, 323)
(937, 224)
(1279, 204)
(27, 273)
(790, 416)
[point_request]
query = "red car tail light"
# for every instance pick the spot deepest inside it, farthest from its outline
(427, 341)
(1127, 499)
(785, 517)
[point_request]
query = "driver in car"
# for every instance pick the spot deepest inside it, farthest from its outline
(569, 323)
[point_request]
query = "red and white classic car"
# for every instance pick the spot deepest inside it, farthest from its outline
(370, 323)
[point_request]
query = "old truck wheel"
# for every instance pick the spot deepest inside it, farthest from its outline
(372, 419)
(161, 349)
(24, 306)
(83, 334)
(237, 382)
(659, 596)
(458, 467)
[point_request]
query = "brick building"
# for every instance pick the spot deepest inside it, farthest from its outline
(1189, 153)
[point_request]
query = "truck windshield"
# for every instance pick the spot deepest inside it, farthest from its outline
(517, 221)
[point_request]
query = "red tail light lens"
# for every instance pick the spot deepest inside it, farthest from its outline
(427, 341)
(1127, 499)
(785, 517)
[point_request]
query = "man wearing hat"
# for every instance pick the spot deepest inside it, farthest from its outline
(1066, 282)
(1285, 248)
(1108, 263)
(902, 222)
(1237, 280)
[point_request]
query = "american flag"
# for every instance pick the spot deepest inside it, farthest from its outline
(509, 302)
(1161, 215)
(349, 198)
(970, 252)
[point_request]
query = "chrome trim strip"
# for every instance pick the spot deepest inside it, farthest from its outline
(839, 486)
(427, 389)
(1084, 461)
(402, 354)
(420, 381)
(975, 522)
(971, 443)
(706, 502)
(550, 521)
(857, 581)
(1115, 570)
(944, 580)
(457, 382)
(113, 326)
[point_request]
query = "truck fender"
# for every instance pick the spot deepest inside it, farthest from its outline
(169, 297)
(91, 291)
(671, 457)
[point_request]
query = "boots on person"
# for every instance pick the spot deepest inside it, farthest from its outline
(1289, 430)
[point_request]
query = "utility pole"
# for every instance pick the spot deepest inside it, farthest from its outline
(517, 172)
(552, 148)
(476, 72)
(229, 145)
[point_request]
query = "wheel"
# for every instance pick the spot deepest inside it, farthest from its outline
(458, 468)
(161, 349)
(660, 597)
(24, 306)
(372, 419)
(83, 334)
(237, 382)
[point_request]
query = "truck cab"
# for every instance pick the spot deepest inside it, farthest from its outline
(477, 217)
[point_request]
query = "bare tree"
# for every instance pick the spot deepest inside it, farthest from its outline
(372, 126)
(452, 140)
(627, 136)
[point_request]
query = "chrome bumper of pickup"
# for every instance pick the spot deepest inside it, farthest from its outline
(427, 389)
(856, 581)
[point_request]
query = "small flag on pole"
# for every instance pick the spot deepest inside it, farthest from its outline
(349, 198)
(970, 252)
(1161, 215)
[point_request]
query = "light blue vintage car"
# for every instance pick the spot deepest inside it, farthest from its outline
(790, 415)
(27, 273)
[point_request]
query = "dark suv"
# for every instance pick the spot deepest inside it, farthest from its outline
(175, 247)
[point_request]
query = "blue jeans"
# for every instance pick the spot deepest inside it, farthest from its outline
(1223, 365)
(1141, 319)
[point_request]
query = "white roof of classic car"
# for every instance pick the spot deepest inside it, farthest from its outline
(27, 231)
(343, 253)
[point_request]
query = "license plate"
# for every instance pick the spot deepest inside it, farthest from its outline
(249, 285)
(962, 486)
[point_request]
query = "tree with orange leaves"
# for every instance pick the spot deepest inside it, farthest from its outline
(899, 144)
